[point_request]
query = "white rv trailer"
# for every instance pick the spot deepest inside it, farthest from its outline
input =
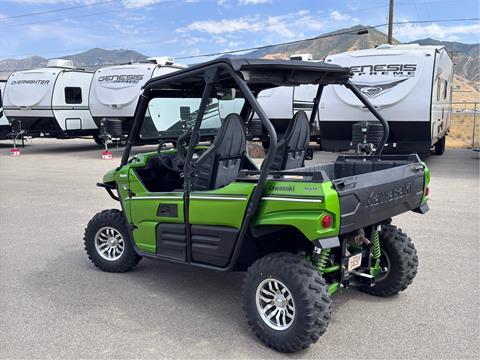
(410, 85)
(115, 90)
(50, 101)
(4, 124)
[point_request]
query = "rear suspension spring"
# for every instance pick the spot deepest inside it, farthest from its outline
(377, 252)
(322, 259)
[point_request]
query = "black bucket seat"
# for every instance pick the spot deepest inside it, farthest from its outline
(220, 164)
(292, 148)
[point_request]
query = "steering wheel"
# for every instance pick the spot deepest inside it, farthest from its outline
(176, 163)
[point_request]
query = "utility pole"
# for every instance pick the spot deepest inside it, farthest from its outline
(390, 23)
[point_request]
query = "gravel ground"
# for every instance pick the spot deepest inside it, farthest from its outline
(55, 304)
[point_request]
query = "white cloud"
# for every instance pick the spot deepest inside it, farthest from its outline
(219, 26)
(440, 32)
(252, 2)
(287, 25)
(337, 15)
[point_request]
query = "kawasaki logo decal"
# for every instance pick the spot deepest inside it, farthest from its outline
(383, 197)
(374, 90)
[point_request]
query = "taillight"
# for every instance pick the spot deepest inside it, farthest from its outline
(427, 191)
(326, 221)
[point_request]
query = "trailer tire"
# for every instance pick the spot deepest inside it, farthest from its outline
(305, 293)
(98, 140)
(440, 146)
(109, 230)
(401, 256)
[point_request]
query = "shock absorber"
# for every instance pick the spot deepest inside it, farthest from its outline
(320, 258)
(376, 250)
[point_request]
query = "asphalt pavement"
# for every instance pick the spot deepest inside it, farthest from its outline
(55, 304)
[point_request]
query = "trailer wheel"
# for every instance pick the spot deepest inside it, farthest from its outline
(286, 302)
(399, 263)
(98, 140)
(107, 242)
(440, 146)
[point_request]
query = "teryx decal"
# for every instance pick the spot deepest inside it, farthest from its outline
(373, 90)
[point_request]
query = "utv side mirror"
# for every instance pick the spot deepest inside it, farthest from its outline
(309, 154)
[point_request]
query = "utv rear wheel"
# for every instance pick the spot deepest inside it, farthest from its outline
(440, 146)
(399, 263)
(107, 242)
(286, 302)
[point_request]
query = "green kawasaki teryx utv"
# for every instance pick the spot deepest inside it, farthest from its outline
(299, 232)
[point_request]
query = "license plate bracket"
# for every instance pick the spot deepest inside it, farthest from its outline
(354, 261)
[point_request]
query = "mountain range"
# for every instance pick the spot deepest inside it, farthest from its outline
(465, 56)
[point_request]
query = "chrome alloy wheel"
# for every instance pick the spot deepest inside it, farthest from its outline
(109, 243)
(275, 304)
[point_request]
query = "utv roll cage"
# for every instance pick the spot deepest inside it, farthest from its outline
(248, 77)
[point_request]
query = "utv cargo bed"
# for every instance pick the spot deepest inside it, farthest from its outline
(374, 188)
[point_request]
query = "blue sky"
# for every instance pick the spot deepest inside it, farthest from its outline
(192, 27)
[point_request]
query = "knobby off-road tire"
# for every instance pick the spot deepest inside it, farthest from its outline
(110, 226)
(402, 260)
(308, 292)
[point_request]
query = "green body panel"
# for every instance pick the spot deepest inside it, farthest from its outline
(427, 181)
(222, 207)
(282, 205)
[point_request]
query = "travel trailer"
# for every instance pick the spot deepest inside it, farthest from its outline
(115, 91)
(50, 101)
(4, 124)
(410, 85)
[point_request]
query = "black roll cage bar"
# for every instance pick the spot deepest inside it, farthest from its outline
(210, 74)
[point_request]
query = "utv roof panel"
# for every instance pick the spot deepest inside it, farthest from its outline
(258, 73)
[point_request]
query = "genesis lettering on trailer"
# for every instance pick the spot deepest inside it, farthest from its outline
(126, 79)
(401, 70)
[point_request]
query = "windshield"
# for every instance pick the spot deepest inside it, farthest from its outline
(170, 117)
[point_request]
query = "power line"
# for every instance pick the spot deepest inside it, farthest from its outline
(352, 32)
(56, 10)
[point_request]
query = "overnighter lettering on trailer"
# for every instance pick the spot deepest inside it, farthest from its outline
(383, 197)
(30, 82)
(397, 70)
(127, 79)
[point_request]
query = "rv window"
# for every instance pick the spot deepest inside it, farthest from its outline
(445, 89)
(73, 95)
(439, 90)
(169, 117)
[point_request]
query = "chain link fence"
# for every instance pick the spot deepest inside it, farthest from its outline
(465, 125)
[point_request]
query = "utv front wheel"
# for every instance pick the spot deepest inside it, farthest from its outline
(286, 302)
(398, 263)
(107, 242)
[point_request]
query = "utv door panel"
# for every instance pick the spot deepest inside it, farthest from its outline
(172, 241)
(213, 245)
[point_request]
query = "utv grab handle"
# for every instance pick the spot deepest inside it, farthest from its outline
(109, 189)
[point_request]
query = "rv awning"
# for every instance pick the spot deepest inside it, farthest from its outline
(259, 74)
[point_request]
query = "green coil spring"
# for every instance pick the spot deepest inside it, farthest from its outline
(323, 258)
(376, 244)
